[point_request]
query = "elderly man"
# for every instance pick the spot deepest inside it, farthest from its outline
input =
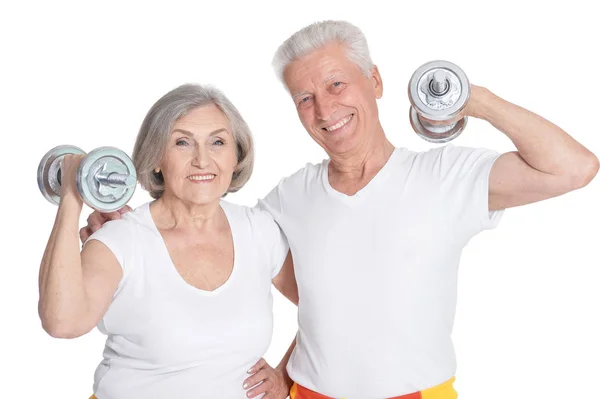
(377, 298)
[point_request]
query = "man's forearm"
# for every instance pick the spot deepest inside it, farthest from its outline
(542, 144)
(283, 363)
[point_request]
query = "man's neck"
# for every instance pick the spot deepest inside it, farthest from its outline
(349, 173)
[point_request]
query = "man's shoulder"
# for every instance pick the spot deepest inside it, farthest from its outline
(448, 153)
(297, 185)
(308, 173)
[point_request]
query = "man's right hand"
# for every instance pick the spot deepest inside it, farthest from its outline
(97, 219)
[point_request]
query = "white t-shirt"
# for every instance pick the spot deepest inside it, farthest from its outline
(377, 271)
(168, 339)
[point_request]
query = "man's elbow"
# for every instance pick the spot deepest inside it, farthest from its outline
(585, 172)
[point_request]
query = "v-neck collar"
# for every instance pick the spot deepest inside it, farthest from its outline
(173, 270)
(364, 192)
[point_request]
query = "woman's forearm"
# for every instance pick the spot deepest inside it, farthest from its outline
(62, 299)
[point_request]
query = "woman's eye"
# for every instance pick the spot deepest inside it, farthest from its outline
(219, 142)
(181, 142)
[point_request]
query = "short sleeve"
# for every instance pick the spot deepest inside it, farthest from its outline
(118, 237)
(272, 202)
(274, 241)
(465, 175)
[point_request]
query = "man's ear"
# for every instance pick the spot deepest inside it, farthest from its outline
(377, 82)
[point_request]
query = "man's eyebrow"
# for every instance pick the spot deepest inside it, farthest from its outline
(326, 80)
(302, 93)
(335, 75)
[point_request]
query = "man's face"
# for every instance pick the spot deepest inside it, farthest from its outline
(335, 101)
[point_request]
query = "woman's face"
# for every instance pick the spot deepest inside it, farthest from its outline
(201, 156)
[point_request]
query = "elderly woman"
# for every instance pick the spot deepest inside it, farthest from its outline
(182, 285)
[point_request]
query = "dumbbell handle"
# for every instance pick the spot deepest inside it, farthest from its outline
(115, 179)
(108, 179)
(439, 84)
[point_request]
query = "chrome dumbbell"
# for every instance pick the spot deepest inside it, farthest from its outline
(438, 91)
(106, 177)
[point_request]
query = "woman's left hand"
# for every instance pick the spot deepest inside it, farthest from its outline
(274, 383)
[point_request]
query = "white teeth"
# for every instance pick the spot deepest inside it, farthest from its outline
(206, 177)
(339, 124)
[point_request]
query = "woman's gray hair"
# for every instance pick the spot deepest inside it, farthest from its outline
(319, 34)
(154, 134)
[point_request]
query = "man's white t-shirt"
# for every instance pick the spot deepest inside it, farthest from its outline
(377, 271)
(168, 339)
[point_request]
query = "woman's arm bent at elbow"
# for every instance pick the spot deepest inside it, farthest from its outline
(75, 288)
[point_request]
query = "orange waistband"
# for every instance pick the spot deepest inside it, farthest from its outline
(442, 391)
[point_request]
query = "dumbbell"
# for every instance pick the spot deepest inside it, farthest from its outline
(438, 91)
(106, 177)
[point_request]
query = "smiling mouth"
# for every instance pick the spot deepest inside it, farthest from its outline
(205, 178)
(340, 124)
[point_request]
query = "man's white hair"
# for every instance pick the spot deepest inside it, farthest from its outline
(319, 34)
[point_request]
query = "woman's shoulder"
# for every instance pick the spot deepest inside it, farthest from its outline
(258, 231)
(139, 215)
(254, 216)
(130, 222)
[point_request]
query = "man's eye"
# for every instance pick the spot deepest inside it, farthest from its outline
(304, 100)
(336, 84)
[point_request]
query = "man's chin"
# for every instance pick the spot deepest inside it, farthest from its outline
(341, 146)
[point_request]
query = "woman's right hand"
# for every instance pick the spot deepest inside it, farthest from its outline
(68, 174)
(68, 192)
(97, 219)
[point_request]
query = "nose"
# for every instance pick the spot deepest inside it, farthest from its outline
(201, 157)
(325, 106)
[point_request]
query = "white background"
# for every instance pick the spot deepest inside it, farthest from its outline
(74, 73)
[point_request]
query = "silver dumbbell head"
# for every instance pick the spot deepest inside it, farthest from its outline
(48, 175)
(106, 179)
(438, 91)
(437, 134)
